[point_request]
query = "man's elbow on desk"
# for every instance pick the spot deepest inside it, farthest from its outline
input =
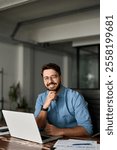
(66, 132)
(75, 132)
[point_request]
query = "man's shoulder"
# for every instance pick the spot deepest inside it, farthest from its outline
(72, 91)
(74, 96)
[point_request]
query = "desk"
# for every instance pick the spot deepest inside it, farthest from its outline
(10, 143)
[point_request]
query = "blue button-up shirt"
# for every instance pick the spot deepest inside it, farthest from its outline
(68, 110)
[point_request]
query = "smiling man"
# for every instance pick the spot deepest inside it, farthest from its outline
(61, 111)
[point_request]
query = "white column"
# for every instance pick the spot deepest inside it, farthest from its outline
(20, 65)
(65, 71)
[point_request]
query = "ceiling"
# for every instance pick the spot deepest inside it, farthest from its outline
(13, 12)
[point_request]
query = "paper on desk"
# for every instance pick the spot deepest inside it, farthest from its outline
(98, 146)
(75, 145)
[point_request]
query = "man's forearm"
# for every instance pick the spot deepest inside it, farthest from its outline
(41, 119)
(69, 132)
(76, 131)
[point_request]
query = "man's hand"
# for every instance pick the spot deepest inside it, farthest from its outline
(50, 97)
(52, 130)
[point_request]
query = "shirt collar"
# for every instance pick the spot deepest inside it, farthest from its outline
(61, 91)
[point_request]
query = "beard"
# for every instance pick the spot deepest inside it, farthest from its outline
(53, 86)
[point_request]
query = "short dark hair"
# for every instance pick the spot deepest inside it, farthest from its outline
(51, 66)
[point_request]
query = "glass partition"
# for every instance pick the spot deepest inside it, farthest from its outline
(88, 67)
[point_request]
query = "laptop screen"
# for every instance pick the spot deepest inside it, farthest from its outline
(23, 125)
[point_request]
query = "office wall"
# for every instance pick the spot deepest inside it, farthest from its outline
(8, 61)
(15, 59)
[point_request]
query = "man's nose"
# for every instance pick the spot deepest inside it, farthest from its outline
(50, 79)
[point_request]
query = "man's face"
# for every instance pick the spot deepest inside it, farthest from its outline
(51, 79)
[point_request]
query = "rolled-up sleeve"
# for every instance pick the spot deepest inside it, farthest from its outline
(82, 114)
(38, 106)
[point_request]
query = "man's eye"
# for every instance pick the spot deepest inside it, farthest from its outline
(46, 78)
(54, 76)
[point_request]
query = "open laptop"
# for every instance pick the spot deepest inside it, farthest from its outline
(23, 125)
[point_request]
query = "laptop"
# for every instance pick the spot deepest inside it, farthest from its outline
(23, 125)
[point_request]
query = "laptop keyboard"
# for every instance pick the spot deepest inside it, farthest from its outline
(3, 129)
(44, 137)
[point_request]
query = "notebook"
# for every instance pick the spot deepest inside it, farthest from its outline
(23, 125)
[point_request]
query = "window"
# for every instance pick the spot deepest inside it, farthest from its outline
(88, 67)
